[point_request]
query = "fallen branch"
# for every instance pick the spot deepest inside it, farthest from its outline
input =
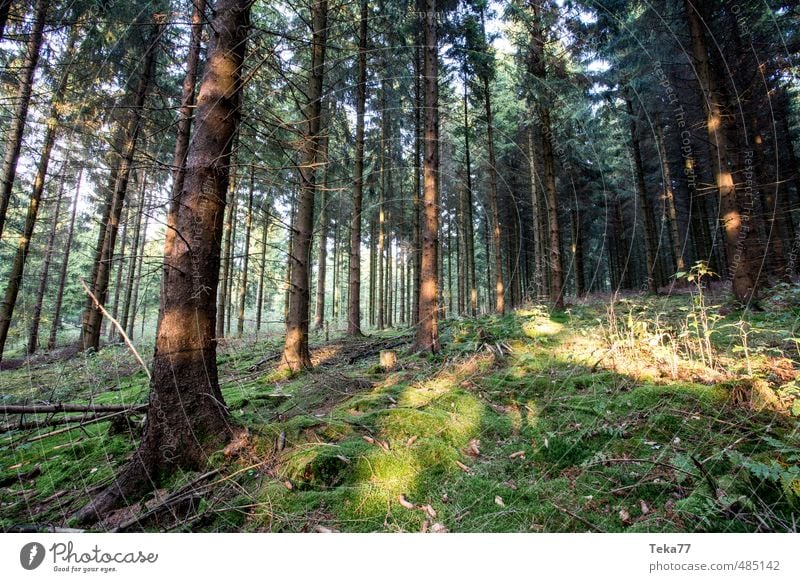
(93, 420)
(578, 517)
(60, 407)
(82, 419)
(118, 326)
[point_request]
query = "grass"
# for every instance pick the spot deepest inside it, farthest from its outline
(531, 422)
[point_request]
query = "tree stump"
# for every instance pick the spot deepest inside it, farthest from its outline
(388, 360)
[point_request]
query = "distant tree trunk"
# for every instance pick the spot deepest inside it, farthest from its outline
(354, 307)
(644, 201)
(186, 415)
(17, 126)
(427, 338)
(135, 275)
(246, 259)
(231, 270)
(669, 200)
(227, 251)
(577, 252)
(536, 222)
(295, 354)
(92, 318)
(743, 263)
(134, 258)
(319, 311)
(373, 255)
(33, 332)
(21, 256)
(62, 278)
(119, 263)
(262, 270)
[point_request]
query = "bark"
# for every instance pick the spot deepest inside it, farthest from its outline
(134, 301)
(536, 221)
(669, 201)
(36, 317)
(416, 200)
(246, 260)
(295, 354)
(20, 115)
(5, 5)
(427, 337)
(577, 252)
(92, 318)
(62, 278)
(184, 122)
(119, 262)
(262, 270)
(319, 311)
(354, 307)
(186, 416)
(742, 262)
(23, 245)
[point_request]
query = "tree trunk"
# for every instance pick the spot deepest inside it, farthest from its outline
(62, 278)
(5, 5)
(295, 354)
(19, 118)
(354, 307)
(319, 311)
(227, 251)
(92, 318)
(577, 252)
(427, 337)
(33, 332)
(186, 416)
(246, 259)
(416, 196)
(262, 270)
(742, 263)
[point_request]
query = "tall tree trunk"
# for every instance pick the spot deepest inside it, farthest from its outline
(19, 118)
(427, 338)
(354, 307)
(134, 301)
(62, 278)
(92, 318)
(416, 196)
(227, 250)
(742, 262)
(186, 415)
(536, 221)
(118, 263)
(577, 252)
(184, 123)
(319, 311)
(33, 331)
(246, 259)
(295, 354)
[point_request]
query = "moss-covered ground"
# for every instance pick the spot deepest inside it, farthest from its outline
(604, 417)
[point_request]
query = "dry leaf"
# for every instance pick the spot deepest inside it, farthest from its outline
(473, 449)
(369, 439)
(510, 485)
(323, 529)
(438, 528)
(405, 502)
(411, 440)
(288, 485)
(383, 444)
(517, 454)
(499, 501)
(445, 498)
(463, 467)
(645, 508)
(624, 516)
(424, 527)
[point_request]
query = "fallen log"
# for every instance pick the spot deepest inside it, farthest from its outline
(77, 419)
(62, 407)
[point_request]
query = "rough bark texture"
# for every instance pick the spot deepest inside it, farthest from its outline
(18, 120)
(248, 227)
(295, 354)
(669, 202)
(186, 416)
(427, 338)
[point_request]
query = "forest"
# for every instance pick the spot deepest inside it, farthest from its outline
(399, 266)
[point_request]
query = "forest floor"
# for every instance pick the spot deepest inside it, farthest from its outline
(648, 414)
